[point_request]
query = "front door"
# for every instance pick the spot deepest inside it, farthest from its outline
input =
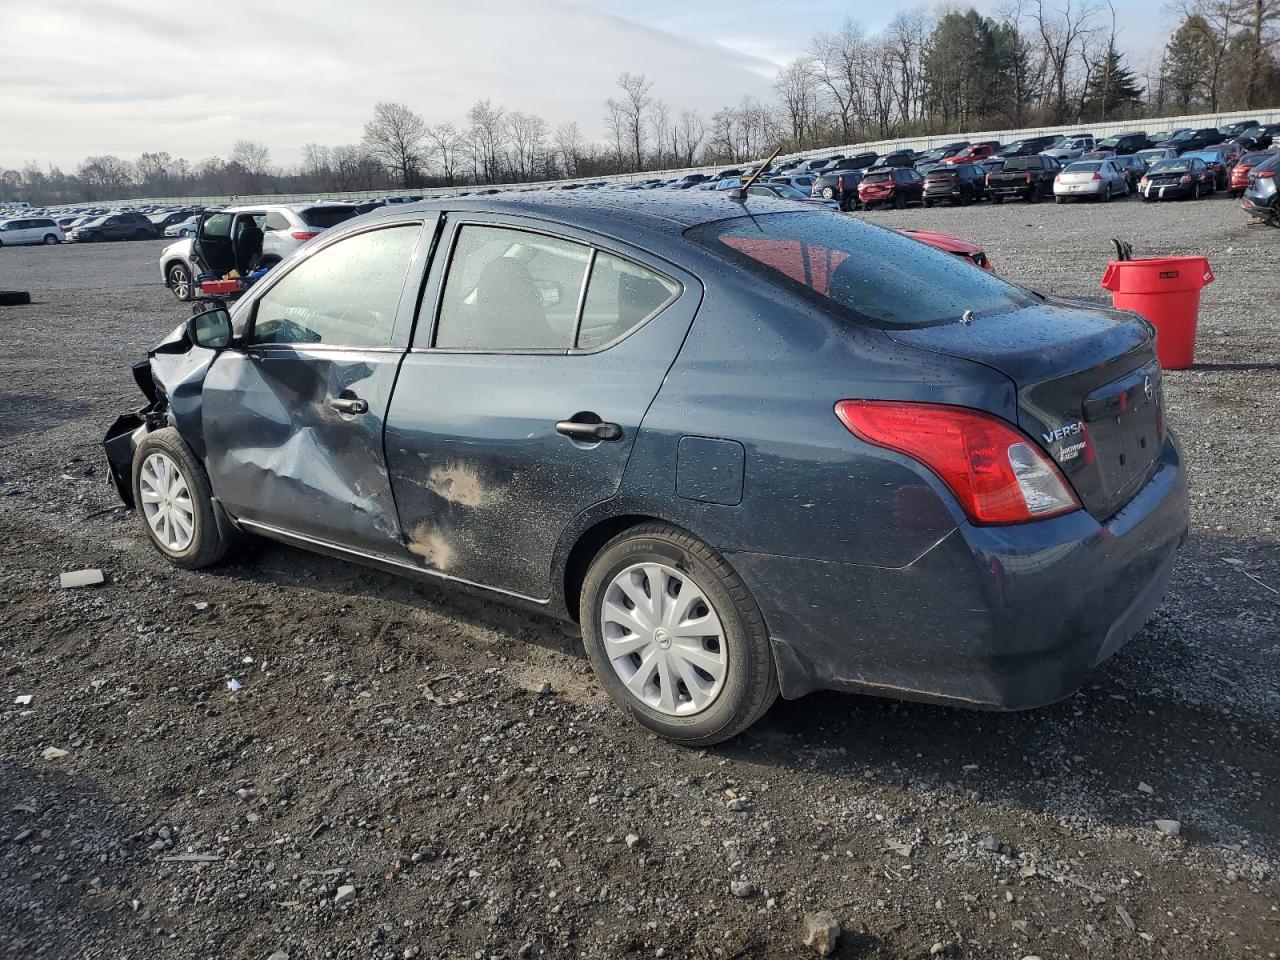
(293, 415)
(518, 407)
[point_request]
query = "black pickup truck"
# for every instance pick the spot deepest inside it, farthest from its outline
(1028, 178)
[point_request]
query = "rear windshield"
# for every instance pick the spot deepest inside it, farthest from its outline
(878, 177)
(869, 274)
(1172, 166)
(325, 217)
(1023, 163)
(1083, 168)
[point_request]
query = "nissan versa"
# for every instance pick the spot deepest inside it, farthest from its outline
(750, 449)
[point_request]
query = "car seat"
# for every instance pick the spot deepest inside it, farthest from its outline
(248, 249)
(509, 305)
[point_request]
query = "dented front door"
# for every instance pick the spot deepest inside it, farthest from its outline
(293, 417)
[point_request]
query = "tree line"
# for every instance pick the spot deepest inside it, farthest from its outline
(947, 71)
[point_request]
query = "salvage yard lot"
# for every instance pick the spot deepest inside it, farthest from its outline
(396, 739)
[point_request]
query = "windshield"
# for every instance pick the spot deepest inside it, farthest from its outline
(325, 217)
(867, 273)
(1181, 135)
(1110, 142)
(1172, 166)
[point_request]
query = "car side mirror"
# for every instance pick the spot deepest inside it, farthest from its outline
(210, 329)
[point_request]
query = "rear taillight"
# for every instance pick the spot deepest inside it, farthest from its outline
(1097, 176)
(1265, 174)
(1028, 176)
(994, 470)
(304, 234)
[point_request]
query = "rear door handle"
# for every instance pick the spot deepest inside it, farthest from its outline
(349, 405)
(580, 430)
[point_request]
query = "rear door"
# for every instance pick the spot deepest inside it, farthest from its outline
(293, 417)
(536, 354)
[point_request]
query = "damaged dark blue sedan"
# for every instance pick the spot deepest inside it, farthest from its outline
(750, 449)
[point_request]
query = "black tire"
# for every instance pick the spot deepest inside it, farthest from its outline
(207, 546)
(997, 200)
(1195, 191)
(928, 204)
(141, 235)
(50, 239)
(1059, 199)
(14, 298)
(178, 277)
(900, 201)
(751, 682)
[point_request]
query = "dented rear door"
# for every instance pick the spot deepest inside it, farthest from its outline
(488, 437)
(293, 416)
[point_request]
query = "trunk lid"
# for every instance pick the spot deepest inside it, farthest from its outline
(1088, 386)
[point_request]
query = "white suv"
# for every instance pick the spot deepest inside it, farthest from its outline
(27, 230)
(245, 239)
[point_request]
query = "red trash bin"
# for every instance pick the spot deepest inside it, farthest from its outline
(1165, 290)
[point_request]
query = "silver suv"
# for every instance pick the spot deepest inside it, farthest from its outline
(243, 240)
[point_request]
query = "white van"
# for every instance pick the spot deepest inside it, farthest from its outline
(31, 230)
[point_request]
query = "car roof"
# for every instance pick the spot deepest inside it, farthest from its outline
(622, 215)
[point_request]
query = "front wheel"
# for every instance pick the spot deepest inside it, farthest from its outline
(828, 193)
(172, 496)
(675, 636)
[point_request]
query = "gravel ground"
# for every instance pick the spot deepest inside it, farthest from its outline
(393, 780)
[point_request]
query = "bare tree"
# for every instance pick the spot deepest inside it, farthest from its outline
(488, 138)
(688, 136)
(797, 91)
(835, 57)
(569, 145)
(395, 137)
(629, 111)
(660, 126)
(528, 135)
(445, 146)
(1063, 33)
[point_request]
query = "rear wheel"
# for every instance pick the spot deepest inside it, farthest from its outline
(828, 193)
(180, 282)
(141, 235)
(997, 200)
(675, 637)
(928, 203)
(1105, 195)
(1195, 191)
(900, 201)
(50, 239)
(172, 496)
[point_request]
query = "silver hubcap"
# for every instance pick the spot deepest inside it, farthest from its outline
(664, 639)
(166, 503)
(179, 277)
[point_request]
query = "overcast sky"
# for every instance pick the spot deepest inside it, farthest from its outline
(125, 76)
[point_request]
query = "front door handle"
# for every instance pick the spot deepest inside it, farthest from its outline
(349, 405)
(583, 430)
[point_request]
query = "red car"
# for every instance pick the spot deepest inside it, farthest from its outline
(974, 153)
(949, 244)
(1239, 181)
(891, 185)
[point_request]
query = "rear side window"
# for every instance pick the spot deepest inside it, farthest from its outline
(345, 295)
(325, 217)
(276, 221)
(218, 225)
(620, 297)
(511, 290)
(866, 273)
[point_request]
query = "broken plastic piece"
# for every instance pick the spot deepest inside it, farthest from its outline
(233, 685)
(82, 578)
(23, 700)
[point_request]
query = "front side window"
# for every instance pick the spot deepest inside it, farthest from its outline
(866, 273)
(620, 297)
(511, 290)
(345, 295)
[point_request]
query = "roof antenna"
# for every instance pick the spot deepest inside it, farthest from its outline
(740, 192)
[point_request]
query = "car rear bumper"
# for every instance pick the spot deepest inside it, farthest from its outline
(999, 618)
(1259, 209)
(1091, 189)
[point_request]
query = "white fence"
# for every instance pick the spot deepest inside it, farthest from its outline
(1107, 129)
